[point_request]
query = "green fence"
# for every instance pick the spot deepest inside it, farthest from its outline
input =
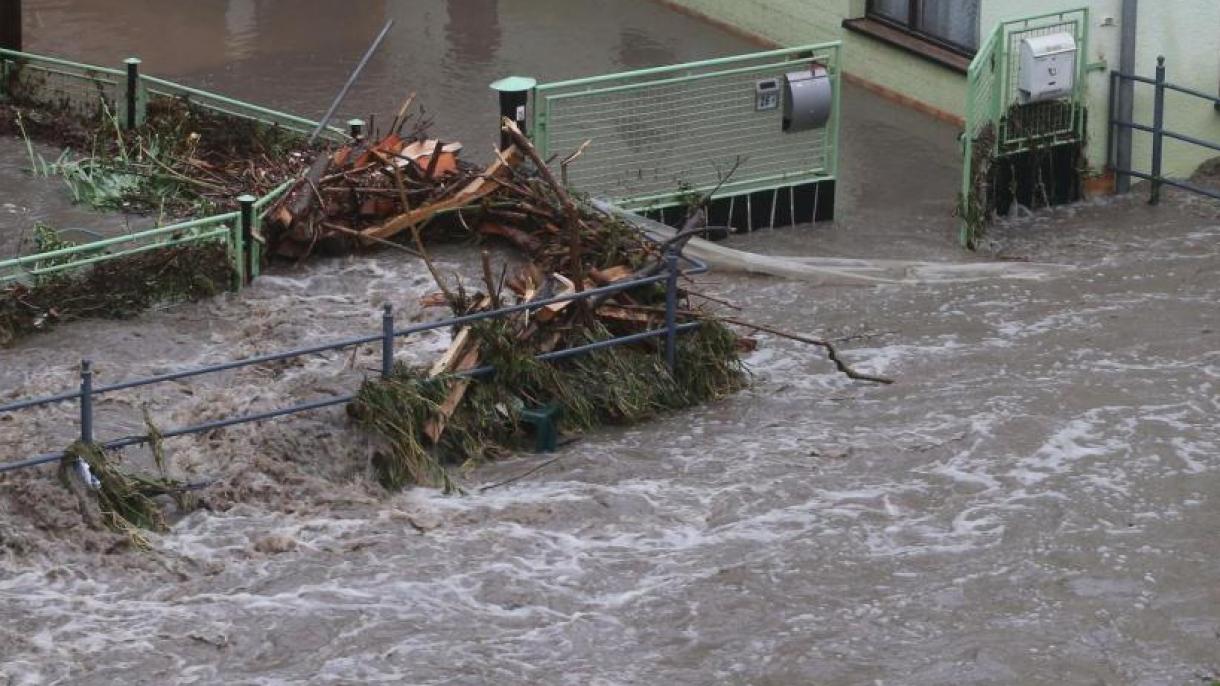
(88, 90)
(658, 134)
(997, 125)
(83, 89)
(223, 228)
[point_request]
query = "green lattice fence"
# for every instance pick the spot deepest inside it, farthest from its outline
(997, 125)
(660, 133)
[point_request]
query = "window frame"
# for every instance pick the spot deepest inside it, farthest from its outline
(909, 27)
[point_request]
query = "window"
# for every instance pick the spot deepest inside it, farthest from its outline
(951, 23)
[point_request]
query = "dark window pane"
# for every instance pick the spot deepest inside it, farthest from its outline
(898, 10)
(955, 21)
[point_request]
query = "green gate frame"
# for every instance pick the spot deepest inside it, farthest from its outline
(992, 131)
(659, 135)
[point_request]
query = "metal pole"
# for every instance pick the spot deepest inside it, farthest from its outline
(10, 25)
(355, 128)
(351, 80)
(387, 341)
(245, 236)
(133, 118)
(514, 94)
(1126, 95)
(86, 401)
(671, 311)
(1158, 132)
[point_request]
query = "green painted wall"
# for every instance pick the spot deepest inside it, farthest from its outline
(1187, 32)
(799, 22)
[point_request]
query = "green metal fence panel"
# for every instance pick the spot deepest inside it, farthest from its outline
(160, 89)
(997, 124)
(51, 82)
(29, 268)
(658, 134)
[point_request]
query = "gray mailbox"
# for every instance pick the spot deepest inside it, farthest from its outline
(807, 99)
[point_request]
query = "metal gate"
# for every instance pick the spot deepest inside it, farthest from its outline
(660, 135)
(997, 125)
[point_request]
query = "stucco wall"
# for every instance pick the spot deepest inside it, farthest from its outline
(1185, 31)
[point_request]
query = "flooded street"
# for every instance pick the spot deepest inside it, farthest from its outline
(1036, 500)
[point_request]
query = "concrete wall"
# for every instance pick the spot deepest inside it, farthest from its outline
(1187, 32)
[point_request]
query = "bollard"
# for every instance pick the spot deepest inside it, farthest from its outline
(387, 341)
(86, 401)
(134, 115)
(355, 128)
(1158, 131)
(514, 100)
(10, 25)
(245, 239)
(671, 310)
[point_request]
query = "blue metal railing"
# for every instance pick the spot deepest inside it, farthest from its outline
(1158, 131)
(387, 337)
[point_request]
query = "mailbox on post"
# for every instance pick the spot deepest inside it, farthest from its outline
(808, 98)
(1047, 68)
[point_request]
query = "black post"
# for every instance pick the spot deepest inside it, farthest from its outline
(86, 401)
(671, 310)
(387, 341)
(133, 91)
(1158, 131)
(246, 202)
(10, 24)
(514, 101)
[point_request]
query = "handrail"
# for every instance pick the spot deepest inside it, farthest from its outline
(88, 391)
(126, 238)
(61, 62)
(734, 59)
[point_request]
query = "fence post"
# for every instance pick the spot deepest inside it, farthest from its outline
(10, 25)
(243, 232)
(134, 111)
(1158, 131)
(514, 101)
(387, 341)
(671, 310)
(86, 401)
(355, 128)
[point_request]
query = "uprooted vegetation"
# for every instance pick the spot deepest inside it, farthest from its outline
(402, 191)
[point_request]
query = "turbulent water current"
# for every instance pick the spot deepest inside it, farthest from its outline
(1036, 500)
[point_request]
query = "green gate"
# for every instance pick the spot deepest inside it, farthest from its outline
(659, 135)
(997, 125)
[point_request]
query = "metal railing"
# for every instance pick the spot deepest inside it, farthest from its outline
(89, 90)
(661, 134)
(996, 124)
(389, 334)
(1159, 132)
(84, 88)
(238, 230)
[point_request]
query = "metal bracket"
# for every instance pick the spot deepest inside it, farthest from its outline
(1100, 65)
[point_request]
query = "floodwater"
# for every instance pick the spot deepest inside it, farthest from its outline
(1035, 500)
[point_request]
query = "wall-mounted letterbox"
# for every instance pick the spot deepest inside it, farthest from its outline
(808, 97)
(1047, 69)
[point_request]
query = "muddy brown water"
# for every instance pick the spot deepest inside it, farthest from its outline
(1035, 500)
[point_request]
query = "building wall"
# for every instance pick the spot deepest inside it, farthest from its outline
(1185, 31)
(927, 85)
(1189, 38)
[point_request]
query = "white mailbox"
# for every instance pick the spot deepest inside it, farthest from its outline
(1048, 68)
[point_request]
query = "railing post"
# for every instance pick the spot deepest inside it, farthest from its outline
(10, 25)
(243, 233)
(134, 111)
(671, 310)
(1158, 131)
(355, 129)
(387, 341)
(86, 401)
(514, 101)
